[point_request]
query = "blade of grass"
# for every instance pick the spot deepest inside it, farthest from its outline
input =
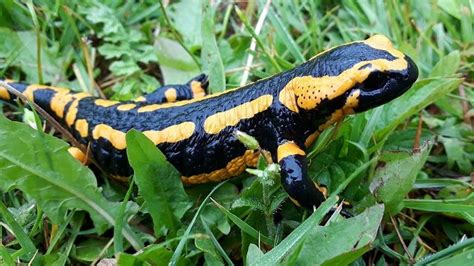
(216, 243)
(27, 247)
(60, 233)
(432, 259)
(36, 25)
(120, 220)
(5, 256)
(275, 255)
(179, 249)
(286, 37)
(249, 28)
(436, 206)
(253, 43)
(243, 225)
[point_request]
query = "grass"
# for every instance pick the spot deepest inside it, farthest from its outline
(415, 208)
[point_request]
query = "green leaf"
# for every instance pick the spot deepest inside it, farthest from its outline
(159, 183)
(279, 252)
(124, 68)
(89, 249)
(27, 246)
(176, 64)
(210, 55)
(395, 175)
(342, 242)
(187, 20)
(40, 165)
(20, 48)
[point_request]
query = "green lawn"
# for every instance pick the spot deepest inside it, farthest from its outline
(406, 167)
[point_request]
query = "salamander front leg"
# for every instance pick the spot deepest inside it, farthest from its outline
(294, 176)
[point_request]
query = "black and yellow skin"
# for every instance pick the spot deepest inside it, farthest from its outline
(285, 113)
(193, 89)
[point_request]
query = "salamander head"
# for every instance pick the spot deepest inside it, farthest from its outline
(354, 77)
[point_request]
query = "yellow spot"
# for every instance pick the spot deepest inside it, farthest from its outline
(126, 107)
(171, 95)
(72, 111)
(217, 122)
(105, 103)
(4, 93)
(140, 99)
(288, 149)
(82, 127)
(198, 91)
(78, 154)
(171, 134)
(234, 168)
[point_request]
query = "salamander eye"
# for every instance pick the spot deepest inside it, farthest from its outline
(375, 81)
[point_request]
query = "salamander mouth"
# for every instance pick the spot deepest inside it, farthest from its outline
(382, 87)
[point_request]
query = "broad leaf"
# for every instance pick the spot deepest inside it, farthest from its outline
(395, 175)
(159, 183)
(40, 165)
(340, 243)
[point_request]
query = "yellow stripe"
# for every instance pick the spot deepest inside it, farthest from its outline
(217, 122)
(115, 137)
(170, 134)
(234, 168)
(105, 103)
(59, 102)
(126, 107)
(150, 108)
(288, 149)
(29, 91)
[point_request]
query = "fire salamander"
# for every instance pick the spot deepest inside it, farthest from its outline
(285, 113)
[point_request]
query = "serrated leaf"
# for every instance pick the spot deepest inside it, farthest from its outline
(159, 183)
(122, 68)
(40, 165)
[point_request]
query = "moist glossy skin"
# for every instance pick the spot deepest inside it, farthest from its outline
(285, 113)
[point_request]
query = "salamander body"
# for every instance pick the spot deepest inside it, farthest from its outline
(285, 113)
